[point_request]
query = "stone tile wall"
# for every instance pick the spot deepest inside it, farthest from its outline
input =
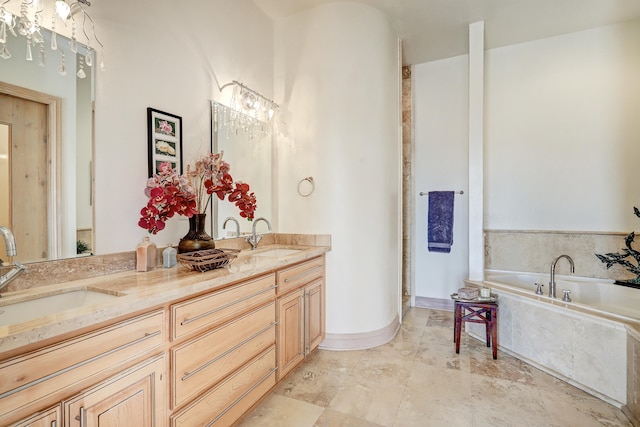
(407, 199)
(533, 251)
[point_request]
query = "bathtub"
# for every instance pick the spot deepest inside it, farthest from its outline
(599, 296)
(583, 342)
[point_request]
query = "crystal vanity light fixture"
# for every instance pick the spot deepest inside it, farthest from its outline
(248, 112)
(29, 25)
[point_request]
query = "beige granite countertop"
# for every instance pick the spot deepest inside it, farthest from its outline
(138, 291)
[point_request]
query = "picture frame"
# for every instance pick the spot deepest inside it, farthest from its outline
(164, 140)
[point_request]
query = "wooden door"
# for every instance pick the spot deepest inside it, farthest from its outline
(135, 398)
(28, 176)
(290, 331)
(314, 315)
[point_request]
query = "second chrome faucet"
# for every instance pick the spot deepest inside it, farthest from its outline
(552, 279)
(254, 238)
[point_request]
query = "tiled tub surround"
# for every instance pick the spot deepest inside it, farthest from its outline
(531, 250)
(585, 346)
(600, 297)
(142, 290)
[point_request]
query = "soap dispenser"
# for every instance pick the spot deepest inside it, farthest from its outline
(169, 257)
(145, 255)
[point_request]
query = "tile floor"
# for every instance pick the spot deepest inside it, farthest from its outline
(418, 380)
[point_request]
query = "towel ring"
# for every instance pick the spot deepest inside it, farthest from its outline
(307, 193)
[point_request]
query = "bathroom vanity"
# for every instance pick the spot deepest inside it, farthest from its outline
(173, 347)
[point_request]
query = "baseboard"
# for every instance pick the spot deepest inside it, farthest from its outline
(434, 303)
(363, 340)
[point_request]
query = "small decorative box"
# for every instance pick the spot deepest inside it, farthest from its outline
(468, 293)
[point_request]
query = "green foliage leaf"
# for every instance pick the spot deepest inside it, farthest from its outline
(611, 259)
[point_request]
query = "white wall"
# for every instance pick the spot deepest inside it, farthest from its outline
(562, 132)
(440, 117)
(337, 74)
(561, 140)
(173, 58)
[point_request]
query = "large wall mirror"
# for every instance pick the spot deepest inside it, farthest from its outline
(46, 149)
(247, 146)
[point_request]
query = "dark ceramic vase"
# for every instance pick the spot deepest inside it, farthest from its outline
(197, 238)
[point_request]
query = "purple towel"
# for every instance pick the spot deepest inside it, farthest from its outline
(440, 221)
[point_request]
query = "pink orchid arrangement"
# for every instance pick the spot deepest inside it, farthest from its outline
(171, 193)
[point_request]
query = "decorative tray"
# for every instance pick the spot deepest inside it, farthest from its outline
(492, 298)
(207, 259)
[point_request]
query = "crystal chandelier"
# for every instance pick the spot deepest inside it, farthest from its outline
(28, 25)
(248, 112)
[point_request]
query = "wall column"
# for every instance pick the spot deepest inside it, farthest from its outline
(476, 149)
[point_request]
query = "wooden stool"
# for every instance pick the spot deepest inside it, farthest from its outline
(479, 312)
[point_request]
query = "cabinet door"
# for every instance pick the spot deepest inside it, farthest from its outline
(133, 398)
(314, 315)
(49, 418)
(290, 331)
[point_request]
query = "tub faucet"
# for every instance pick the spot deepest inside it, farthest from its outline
(230, 218)
(552, 281)
(16, 268)
(254, 239)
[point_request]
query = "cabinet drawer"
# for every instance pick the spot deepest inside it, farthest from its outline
(298, 275)
(203, 361)
(38, 379)
(208, 310)
(231, 398)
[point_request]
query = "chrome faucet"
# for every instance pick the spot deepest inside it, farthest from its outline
(9, 241)
(230, 218)
(16, 268)
(254, 239)
(552, 281)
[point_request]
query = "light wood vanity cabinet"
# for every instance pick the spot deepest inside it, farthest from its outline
(221, 352)
(44, 377)
(301, 312)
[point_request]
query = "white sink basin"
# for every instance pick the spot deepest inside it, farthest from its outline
(274, 253)
(23, 311)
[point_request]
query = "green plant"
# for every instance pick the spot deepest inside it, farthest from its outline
(81, 246)
(627, 256)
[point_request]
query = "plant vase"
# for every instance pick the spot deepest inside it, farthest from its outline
(197, 238)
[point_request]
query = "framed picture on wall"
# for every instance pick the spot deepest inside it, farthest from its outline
(165, 140)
